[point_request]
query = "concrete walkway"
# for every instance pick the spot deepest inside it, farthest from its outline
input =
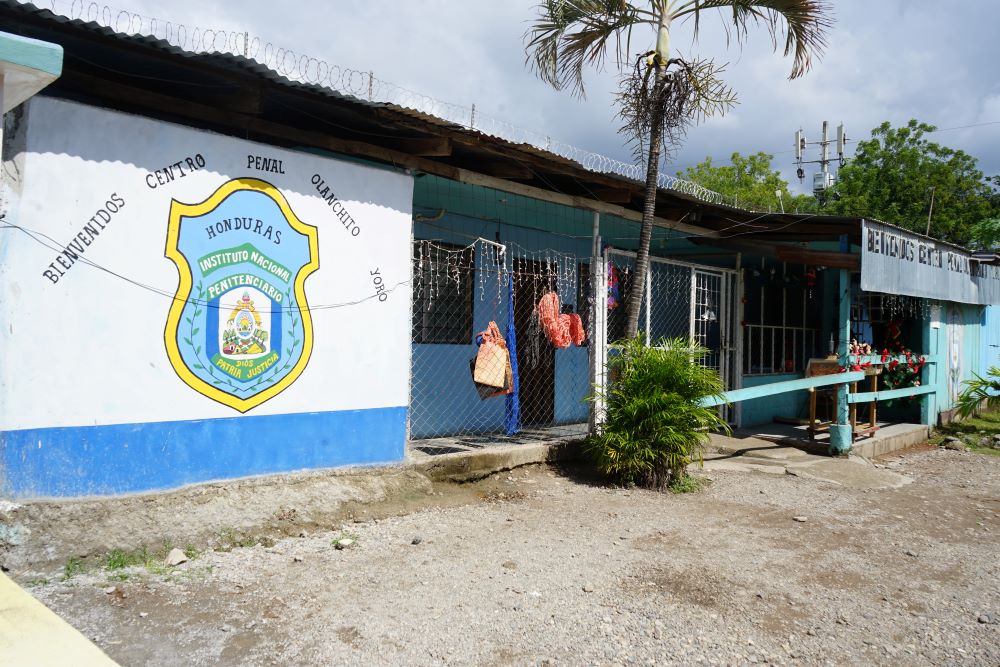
(756, 454)
(33, 636)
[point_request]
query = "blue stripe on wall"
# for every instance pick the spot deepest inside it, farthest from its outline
(128, 458)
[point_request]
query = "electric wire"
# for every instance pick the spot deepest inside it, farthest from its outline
(33, 235)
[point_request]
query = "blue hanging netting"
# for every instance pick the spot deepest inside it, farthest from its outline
(512, 421)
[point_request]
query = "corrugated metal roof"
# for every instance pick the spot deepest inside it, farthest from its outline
(251, 67)
(229, 60)
(684, 190)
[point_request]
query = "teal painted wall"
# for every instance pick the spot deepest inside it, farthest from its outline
(960, 346)
(968, 336)
(443, 399)
(989, 355)
(764, 410)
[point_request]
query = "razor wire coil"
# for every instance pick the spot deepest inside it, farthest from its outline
(303, 68)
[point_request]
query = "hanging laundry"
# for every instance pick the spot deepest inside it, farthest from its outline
(491, 368)
(534, 337)
(614, 293)
(560, 328)
(576, 330)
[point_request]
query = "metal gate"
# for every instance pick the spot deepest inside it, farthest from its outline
(680, 300)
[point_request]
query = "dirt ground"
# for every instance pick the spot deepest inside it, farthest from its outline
(541, 566)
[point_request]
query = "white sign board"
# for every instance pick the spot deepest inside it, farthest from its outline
(894, 261)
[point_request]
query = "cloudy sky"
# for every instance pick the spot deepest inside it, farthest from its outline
(886, 60)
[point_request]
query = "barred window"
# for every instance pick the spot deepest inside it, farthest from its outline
(443, 293)
(779, 332)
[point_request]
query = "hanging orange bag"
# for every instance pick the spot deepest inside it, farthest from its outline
(492, 363)
(556, 325)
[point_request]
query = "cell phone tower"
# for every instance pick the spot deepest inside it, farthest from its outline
(823, 180)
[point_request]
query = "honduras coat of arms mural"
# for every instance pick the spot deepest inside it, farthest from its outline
(239, 329)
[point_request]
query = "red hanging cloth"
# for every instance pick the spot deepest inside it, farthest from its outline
(560, 328)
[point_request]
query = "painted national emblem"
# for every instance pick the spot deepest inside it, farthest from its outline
(239, 329)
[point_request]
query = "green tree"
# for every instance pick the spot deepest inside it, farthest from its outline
(661, 93)
(980, 392)
(751, 180)
(894, 175)
(656, 425)
(986, 234)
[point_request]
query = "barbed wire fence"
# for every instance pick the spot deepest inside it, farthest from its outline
(304, 68)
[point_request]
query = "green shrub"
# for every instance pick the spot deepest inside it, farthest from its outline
(654, 425)
(980, 390)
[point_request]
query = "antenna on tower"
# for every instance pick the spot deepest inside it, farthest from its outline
(800, 146)
(824, 180)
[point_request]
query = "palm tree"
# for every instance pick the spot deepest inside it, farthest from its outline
(661, 95)
(980, 392)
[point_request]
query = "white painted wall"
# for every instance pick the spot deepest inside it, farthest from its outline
(89, 349)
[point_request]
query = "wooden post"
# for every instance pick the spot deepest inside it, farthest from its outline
(841, 436)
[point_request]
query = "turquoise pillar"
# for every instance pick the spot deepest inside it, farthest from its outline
(841, 437)
(931, 373)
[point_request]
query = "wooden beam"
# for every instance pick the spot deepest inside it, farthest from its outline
(746, 247)
(613, 195)
(473, 178)
(509, 170)
(877, 358)
(549, 163)
(555, 164)
(834, 260)
(130, 95)
(427, 147)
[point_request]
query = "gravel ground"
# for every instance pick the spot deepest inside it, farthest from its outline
(543, 567)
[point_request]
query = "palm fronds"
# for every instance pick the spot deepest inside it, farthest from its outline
(686, 94)
(655, 426)
(802, 23)
(980, 392)
(569, 35)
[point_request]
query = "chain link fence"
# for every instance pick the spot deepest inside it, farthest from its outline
(680, 300)
(501, 340)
